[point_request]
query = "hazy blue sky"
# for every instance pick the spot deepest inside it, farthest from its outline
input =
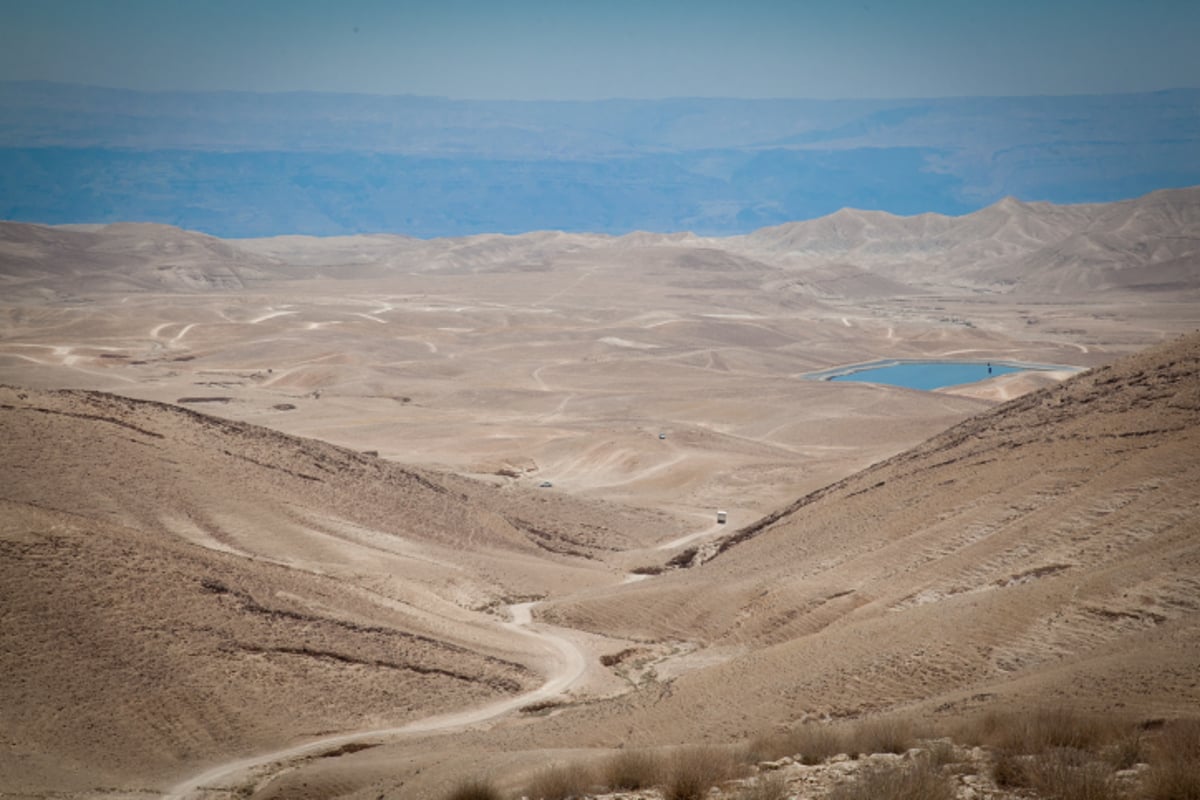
(532, 49)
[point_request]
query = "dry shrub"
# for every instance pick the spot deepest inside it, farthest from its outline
(1172, 781)
(1070, 774)
(915, 781)
(1046, 729)
(1126, 751)
(1179, 742)
(695, 770)
(767, 787)
(560, 782)
(1009, 770)
(1175, 770)
(881, 735)
(630, 770)
(474, 790)
(940, 752)
(811, 743)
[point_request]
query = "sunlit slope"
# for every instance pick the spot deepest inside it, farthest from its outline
(178, 588)
(1049, 549)
(1149, 243)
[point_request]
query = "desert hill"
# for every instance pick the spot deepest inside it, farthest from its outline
(1044, 554)
(405, 443)
(1011, 246)
(178, 587)
(1049, 548)
(1149, 243)
(39, 261)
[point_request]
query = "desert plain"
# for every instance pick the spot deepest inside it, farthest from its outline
(361, 516)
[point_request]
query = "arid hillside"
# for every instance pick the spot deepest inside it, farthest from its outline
(1043, 555)
(318, 515)
(178, 587)
(1047, 549)
(1147, 243)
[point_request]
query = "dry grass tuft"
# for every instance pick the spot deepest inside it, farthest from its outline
(1047, 729)
(916, 781)
(560, 782)
(474, 790)
(1172, 781)
(881, 735)
(1179, 741)
(1126, 751)
(810, 743)
(1009, 770)
(695, 770)
(1069, 774)
(630, 770)
(940, 752)
(1175, 763)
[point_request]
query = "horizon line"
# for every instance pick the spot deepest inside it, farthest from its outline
(613, 99)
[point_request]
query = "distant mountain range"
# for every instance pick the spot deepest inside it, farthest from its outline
(1148, 244)
(244, 165)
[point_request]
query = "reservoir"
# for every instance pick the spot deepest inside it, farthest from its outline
(929, 375)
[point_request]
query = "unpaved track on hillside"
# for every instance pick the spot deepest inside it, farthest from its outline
(570, 665)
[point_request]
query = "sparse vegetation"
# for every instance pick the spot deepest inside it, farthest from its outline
(630, 770)
(811, 742)
(940, 752)
(1128, 750)
(918, 780)
(1069, 774)
(695, 770)
(1046, 729)
(1173, 781)
(1009, 770)
(560, 782)
(881, 735)
(474, 789)
(1175, 763)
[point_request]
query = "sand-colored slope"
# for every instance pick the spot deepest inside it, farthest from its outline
(1024, 248)
(128, 656)
(40, 262)
(1050, 548)
(179, 589)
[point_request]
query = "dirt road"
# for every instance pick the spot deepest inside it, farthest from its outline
(569, 661)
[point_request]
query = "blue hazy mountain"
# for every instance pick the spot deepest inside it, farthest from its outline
(242, 164)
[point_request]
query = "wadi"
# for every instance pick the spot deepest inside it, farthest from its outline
(562, 515)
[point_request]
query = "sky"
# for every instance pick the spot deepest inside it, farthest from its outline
(568, 50)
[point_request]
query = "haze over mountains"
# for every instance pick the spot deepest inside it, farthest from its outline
(1145, 244)
(240, 164)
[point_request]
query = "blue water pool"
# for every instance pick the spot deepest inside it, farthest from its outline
(927, 375)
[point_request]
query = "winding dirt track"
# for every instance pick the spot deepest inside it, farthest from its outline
(570, 664)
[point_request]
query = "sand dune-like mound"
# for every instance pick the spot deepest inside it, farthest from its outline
(1045, 550)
